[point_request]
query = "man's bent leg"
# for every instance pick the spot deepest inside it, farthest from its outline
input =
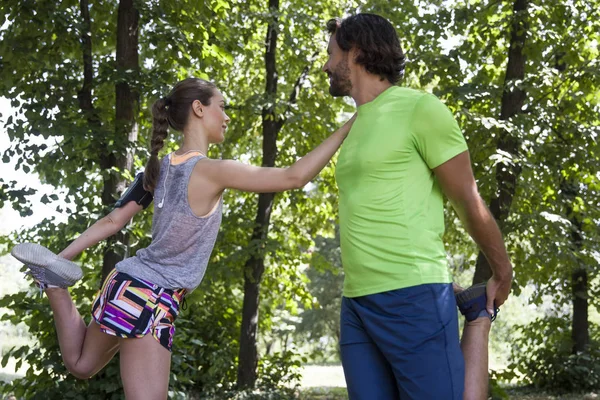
(368, 374)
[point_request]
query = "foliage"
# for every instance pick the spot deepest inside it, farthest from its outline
(280, 369)
(320, 323)
(205, 345)
(543, 358)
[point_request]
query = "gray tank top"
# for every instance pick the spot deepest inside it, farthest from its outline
(181, 241)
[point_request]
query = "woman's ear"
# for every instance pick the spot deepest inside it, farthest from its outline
(197, 108)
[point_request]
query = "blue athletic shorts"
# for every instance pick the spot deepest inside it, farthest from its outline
(402, 344)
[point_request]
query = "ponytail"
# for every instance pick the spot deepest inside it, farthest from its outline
(160, 126)
(174, 111)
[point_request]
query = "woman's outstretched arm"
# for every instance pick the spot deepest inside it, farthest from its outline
(229, 174)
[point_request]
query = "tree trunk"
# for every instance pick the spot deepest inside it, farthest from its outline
(126, 129)
(255, 266)
(85, 93)
(580, 332)
(513, 100)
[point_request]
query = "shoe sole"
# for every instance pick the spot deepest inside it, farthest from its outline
(471, 293)
(35, 254)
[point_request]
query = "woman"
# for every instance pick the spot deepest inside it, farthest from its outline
(139, 301)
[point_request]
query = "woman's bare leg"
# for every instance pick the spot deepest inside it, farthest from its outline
(85, 350)
(145, 368)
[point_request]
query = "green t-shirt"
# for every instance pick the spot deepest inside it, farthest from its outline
(391, 205)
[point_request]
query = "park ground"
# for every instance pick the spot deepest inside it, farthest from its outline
(327, 383)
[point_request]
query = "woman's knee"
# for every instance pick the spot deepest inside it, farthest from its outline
(79, 370)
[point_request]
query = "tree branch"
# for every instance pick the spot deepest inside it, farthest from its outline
(558, 86)
(296, 90)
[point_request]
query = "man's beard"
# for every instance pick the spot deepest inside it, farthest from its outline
(339, 83)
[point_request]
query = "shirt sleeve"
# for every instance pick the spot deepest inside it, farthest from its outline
(436, 133)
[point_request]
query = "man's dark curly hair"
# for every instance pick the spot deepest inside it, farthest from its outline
(376, 40)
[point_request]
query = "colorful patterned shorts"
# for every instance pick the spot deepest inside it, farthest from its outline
(128, 307)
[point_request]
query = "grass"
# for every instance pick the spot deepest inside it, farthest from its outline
(530, 393)
(324, 393)
(328, 393)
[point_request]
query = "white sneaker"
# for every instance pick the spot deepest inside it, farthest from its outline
(46, 267)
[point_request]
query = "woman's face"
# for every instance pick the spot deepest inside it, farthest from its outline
(215, 118)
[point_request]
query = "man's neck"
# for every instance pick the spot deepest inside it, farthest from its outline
(367, 88)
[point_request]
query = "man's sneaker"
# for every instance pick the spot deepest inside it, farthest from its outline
(472, 302)
(46, 267)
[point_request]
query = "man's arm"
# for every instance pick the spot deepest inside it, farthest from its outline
(458, 184)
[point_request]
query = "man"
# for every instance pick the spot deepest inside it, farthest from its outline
(399, 327)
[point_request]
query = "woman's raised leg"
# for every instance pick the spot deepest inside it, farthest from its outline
(85, 350)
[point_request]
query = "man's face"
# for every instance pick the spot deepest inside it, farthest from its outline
(337, 69)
